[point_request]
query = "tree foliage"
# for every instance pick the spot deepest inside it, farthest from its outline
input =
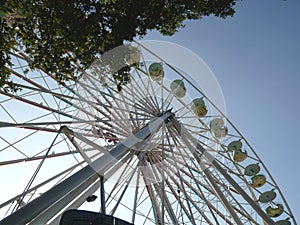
(56, 34)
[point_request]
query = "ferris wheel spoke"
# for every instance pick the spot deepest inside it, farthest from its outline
(96, 101)
(189, 200)
(142, 103)
(82, 100)
(227, 204)
(202, 136)
(230, 180)
(114, 97)
(143, 106)
(144, 91)
(238, 174)
(188, 210)
(147, 217)
(193, 126)
(36, 104)
(154, 203)
(166, 102)
(2, 163)
(201, 132)
(36, 156)
(8, 113)
(181, 204)
(13, 146)
(24, 78)
(198, 168)
(198, 191)
(121, 179)
(38, 128)
(120, 197)
(177, 173)
(152, 175)
(136, 194)
(125, 123)
(227, 163)
(143, 112)
(44, 183)
(123, 98)
(188, 184)
(235, 203)
(241, 210)
(102, 132)
(140, 201)
(23, 56)
(156, 174)
(17, 141)
(148, 87)
(92, 116)
(44, 123)
(40, 89)
(135, 213)
(153, 98)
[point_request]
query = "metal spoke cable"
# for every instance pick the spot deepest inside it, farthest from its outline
(19, 201)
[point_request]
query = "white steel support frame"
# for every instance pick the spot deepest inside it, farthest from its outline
(111, 111)
(76, 204)
(63, 193)
(187, 138)
(87, 174)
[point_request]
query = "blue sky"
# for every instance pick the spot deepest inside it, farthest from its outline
(255, 55)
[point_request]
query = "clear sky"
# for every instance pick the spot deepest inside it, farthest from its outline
(255, 56)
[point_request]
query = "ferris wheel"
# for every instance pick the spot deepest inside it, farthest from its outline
(155, 150)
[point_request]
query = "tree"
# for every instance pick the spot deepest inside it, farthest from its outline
(56, 34)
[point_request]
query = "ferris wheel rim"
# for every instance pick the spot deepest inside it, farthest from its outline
(240, 136)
